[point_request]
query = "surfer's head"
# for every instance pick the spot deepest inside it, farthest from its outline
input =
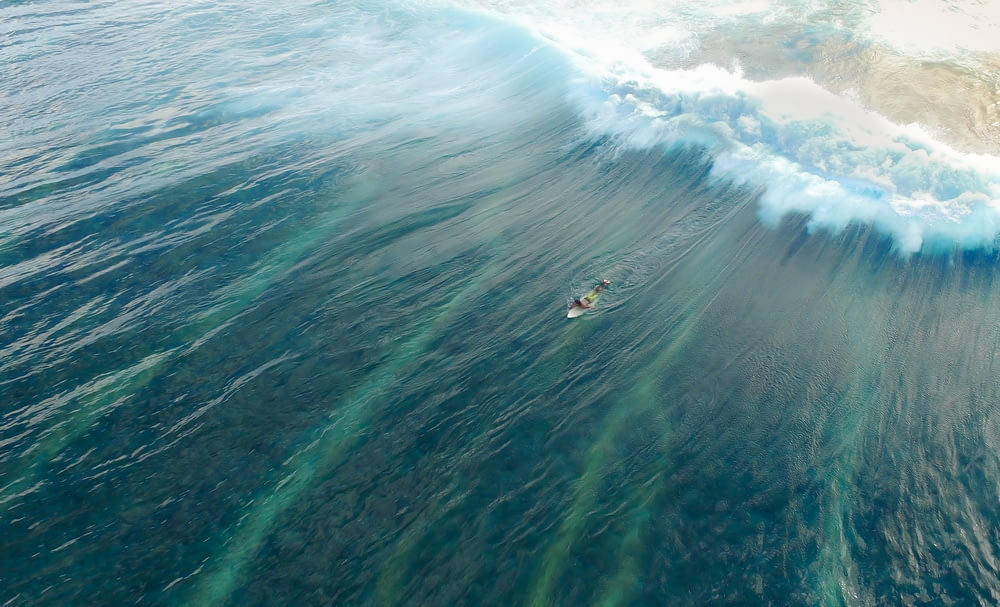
(605, 282)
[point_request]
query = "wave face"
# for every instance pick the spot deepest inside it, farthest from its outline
(813, 121)
(284, 285)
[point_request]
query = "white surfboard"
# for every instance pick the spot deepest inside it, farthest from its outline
(578, 311)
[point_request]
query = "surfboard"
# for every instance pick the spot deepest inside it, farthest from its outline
(575, 311)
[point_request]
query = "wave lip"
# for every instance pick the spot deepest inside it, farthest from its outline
(813, 152)
(812, 142)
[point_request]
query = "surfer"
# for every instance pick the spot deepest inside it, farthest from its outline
(584, 302)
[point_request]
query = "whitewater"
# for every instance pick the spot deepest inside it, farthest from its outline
(835, 146)
(283, 293)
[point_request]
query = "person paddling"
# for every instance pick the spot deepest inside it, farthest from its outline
(584, 302)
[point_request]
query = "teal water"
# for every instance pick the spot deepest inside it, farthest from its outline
(282, 321)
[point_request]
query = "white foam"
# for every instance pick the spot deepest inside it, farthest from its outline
(935, 28)
(813, 151)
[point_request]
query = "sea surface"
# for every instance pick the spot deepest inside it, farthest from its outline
(283, 292)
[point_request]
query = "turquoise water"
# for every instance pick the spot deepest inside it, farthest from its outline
(282, 318)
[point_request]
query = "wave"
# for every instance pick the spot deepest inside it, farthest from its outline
(824, 154)
(814, 152)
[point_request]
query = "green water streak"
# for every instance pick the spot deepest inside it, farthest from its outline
(623, 586)
(641, 399)
(93, 400)
(625, 583)
(834, 571)
(101, 395)
(553, 561)
(557, 359)
(837, 576)
(318, 455)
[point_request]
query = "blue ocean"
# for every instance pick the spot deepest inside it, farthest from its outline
(284, 291)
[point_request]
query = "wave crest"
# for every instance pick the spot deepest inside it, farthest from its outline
(814, 152)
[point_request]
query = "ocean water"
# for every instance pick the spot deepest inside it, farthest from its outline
(283, 290)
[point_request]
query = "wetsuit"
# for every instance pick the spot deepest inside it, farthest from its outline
(589, 297)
